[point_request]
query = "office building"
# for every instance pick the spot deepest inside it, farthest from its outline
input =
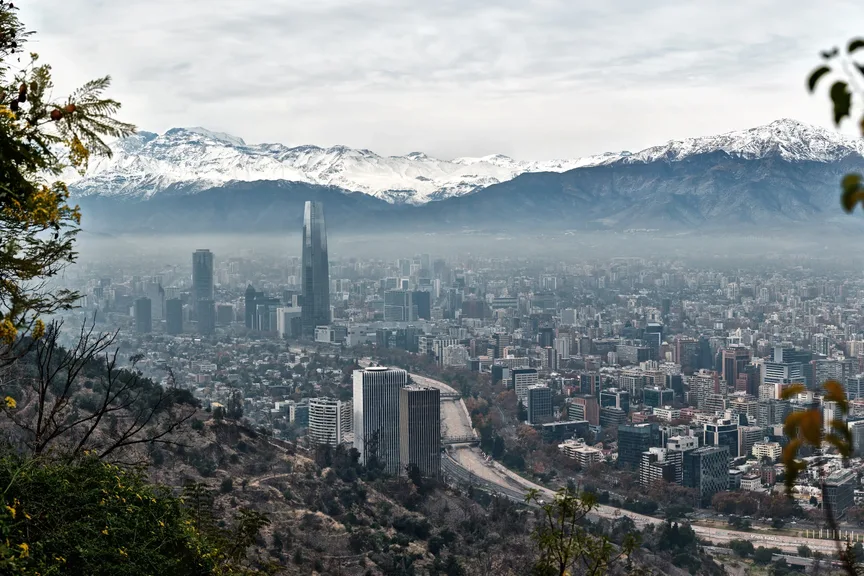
(633, 439)
(420, 429)
(656, 396)
(399, 306)
(584, 407)
(202, 278)
(840, 491)
(723, 432)
(174, 316)
(661, 464)
(143, 315)
(615, 398)
(734, 361)
(329, 421)
(316, 270)
(707, 470)
(539, 406)
(376, 416)
(522, 379)
(206, 317)
(421, 301)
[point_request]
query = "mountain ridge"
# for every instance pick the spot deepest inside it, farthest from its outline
(191, 160)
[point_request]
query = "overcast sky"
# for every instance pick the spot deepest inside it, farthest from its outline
(533, 80)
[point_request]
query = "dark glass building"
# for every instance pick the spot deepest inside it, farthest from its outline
(174, 316)
(202, 277)
(316, 272)
(143, 315)
(633, 439)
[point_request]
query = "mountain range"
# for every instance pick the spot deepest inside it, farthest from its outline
(195, 180)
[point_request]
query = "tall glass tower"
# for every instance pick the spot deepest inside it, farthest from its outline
(316, 271)
(202, 277)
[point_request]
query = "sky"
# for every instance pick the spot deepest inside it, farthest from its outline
(530, 79)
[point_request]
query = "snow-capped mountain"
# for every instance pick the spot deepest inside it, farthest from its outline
(188, 160)
(780, 174)
(194, 159)
(789, 139)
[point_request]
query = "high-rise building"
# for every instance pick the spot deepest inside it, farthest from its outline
(707, 470)
(523, 378)
(174, 316)
(420, 429)
(206, 317)
(422, 300)
(633, 439)
(316, 270)
(734, 361)
(539, 406)
(723, 433)
(376, 415)
(143, 315)
(657, 397)
(202, 278)
(584, 407)
(399, 306)
(329, 421)
(840, 491)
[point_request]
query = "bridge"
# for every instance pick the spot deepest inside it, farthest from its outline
(450, 396)
(452, 440)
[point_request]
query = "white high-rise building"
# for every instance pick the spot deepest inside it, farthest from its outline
(562, 346)
(376, 415)
(329, 421)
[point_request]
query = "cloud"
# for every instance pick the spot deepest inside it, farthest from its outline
(534, 79)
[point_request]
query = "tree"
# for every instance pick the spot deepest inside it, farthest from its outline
(804, 551)
(95, 519)
(80, 400)
(742, 548)
(564, 544)
(39, 137)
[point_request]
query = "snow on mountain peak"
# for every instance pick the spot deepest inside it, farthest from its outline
(197, 159)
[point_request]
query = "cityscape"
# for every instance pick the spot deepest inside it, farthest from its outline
(626, 376)
(431, 289)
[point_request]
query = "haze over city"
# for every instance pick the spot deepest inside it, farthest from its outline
(383, 288)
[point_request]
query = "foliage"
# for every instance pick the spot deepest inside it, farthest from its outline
(805, 429)
(39, 138)
(742, 548)
(564, 544)
(93, 518)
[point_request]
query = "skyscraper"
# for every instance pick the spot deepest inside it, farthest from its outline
(376, 415)
(174, 316)
(316, 273)
(202, 277)
(420, 429)
(143, 315)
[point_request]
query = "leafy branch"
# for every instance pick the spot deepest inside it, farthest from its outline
(845, 93)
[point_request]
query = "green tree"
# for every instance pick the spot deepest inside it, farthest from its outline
(564, 544)
(92, 518)
(40, 137)
(742, 548)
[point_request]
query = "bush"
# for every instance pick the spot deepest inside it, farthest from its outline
(92, 518)
(226, 486)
